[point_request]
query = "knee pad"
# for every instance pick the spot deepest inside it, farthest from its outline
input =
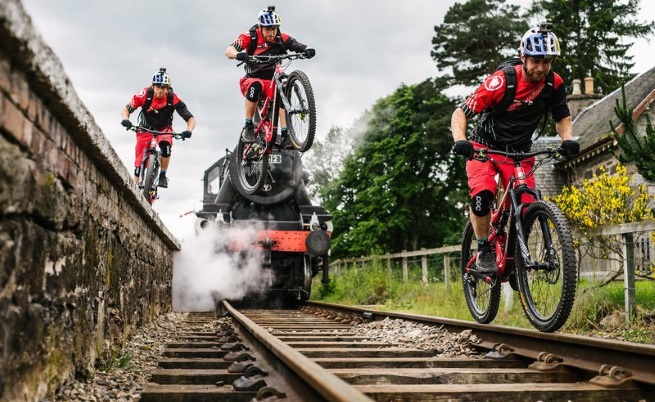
(137, 170)
(252, 94)
(165, 147)
(481, 203)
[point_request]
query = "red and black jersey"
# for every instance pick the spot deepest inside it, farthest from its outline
(159, 114)
(265, 70)
(517, 124)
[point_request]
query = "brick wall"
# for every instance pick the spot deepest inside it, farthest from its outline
(83, 258)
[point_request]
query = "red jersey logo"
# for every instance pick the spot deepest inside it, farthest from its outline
(494, 82)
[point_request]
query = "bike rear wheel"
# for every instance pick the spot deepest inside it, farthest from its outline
(149, 190)
(301, 116)
(482, 298)
(249, 167)
(548, 286)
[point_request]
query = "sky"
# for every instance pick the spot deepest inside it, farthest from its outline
(365, 49)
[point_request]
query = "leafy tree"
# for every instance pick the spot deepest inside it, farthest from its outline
(635, 147)
(400, 189)
(594, 36)
(475, 37)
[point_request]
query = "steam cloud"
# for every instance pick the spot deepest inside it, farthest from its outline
(204, 271)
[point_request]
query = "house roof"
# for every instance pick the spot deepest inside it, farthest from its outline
(592, 125)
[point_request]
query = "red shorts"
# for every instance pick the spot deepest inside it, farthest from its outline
(143, 142)
(267, 88)
(482, 175)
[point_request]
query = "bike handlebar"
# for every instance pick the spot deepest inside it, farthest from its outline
(550, 152)
(177, 136)
(262, 58)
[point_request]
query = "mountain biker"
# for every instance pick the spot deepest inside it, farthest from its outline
(511, 130)
(157, 103)
(269, 41)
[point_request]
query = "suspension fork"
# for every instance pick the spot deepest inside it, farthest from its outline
(517, 208)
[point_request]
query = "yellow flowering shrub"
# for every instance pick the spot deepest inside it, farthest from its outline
(605, 200)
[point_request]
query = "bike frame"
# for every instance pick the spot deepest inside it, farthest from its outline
(152, 149)
(508, 214)
(268, 112)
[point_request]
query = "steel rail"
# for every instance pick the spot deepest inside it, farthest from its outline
(319, 379)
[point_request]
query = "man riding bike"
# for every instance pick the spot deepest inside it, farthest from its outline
(510, 129)
(157, 103)
(264, 38)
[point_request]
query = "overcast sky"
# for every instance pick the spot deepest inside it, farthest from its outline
(365, 50)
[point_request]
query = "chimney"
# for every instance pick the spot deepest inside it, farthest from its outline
(589, 85)
(576, 87)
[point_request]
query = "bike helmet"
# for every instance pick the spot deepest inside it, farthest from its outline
(161, 78)
(269, 18)
(540, 43)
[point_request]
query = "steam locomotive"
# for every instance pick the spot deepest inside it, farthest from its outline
(292, 234)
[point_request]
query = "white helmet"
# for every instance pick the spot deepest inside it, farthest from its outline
(161, 78)
(540, 43)
(269, 18)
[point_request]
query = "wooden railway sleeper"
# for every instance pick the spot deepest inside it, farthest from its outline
(613, 377)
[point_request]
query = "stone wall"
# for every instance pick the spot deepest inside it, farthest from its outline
(83, 257)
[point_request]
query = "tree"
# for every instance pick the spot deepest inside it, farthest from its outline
(635, 147)
(475, 37)
(400, 188)
(594, 36)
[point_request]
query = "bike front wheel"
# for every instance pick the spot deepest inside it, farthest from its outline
(301, 116)
(249, 167)
(482, 298)
(149, 187)
(548, 281)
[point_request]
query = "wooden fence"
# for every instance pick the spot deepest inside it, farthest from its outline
(448, 259)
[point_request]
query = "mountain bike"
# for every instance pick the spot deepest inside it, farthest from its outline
(151, 162)
(293, 92)
(533, 247)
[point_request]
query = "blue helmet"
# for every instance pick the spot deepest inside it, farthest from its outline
(161, 78)
(540, 43)
(268, 18)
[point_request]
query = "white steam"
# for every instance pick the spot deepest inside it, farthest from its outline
(205, 270)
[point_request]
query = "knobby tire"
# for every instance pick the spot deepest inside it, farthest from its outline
(547, 293)
(150, 172)
(248, 175)
(482, 299)
(301, 118)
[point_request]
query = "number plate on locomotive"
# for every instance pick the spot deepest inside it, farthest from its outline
(277, 158)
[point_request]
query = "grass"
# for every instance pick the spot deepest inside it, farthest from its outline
(596, 312)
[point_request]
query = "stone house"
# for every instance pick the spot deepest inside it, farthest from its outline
(592, 114)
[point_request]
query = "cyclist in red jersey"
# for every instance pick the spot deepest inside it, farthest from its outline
(270, 41)
(157, 103)
(510, 130)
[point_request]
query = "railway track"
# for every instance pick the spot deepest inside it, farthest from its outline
(312, 353)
